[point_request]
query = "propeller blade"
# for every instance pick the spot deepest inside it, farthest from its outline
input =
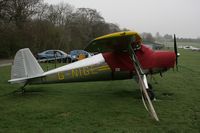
(176, 51)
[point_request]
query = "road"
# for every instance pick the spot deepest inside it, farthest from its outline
(5, 62)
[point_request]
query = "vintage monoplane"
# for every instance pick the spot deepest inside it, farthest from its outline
(120, 56)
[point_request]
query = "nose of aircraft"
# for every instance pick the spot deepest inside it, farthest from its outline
(165, 59)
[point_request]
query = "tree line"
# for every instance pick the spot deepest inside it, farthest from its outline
(40, 26)
(170, 38)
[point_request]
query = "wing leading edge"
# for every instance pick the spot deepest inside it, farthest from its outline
(119, 41)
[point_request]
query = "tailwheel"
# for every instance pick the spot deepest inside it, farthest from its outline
(21, 90)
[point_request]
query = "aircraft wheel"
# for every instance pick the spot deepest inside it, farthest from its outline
(150, 92)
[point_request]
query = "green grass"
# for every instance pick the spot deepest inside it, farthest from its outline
(105, 107)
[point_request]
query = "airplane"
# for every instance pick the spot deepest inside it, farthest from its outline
(121, 55)
(191, 48)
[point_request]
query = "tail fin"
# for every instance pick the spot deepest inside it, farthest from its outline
(24, 66)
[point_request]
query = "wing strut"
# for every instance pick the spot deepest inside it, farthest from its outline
(143, 85)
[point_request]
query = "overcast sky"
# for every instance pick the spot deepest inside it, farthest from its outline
(181, 17)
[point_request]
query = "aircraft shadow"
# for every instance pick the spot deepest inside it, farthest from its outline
(28, 91)
(126, 93)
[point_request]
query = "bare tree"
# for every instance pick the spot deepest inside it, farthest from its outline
(40, 26)
(148, 37)
(19, 10)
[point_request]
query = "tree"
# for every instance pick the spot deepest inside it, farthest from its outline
(40, 26)
(115, 28)
(148, 37)
(91, 15)
(168, 37)
(18, 11)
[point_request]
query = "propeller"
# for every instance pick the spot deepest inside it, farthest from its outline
(143, 85)
(176, 51)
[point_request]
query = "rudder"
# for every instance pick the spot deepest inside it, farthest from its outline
(25, 65)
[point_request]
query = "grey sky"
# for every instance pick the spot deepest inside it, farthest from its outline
(181, 17)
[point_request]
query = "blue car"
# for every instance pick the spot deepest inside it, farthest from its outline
(49, 55)
(75, 54)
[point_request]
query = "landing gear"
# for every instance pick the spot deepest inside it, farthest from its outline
(21, 90)
(150, 92)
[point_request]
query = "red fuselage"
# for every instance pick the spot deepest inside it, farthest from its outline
(151, 61)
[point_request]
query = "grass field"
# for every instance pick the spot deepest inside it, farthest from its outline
(105, 107)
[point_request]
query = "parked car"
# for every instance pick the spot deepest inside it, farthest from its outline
(79, 54)
(49, 55)
(191, 48)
